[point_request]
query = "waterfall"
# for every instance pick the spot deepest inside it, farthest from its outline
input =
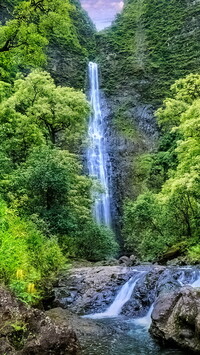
(97, 156)
(122, 297)
(196, 283)
(189, 276)
(146, 320)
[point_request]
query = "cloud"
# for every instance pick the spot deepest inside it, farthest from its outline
(102, 12)
(118, 5)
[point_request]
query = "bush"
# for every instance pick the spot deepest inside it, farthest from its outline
(194, 254)
(50, 185)
(95, 243)
(26, 256)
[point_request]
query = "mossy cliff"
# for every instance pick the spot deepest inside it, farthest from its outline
(156, 41)
(68, 65)
(150, 45)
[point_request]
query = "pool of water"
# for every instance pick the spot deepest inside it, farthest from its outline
(125, 339)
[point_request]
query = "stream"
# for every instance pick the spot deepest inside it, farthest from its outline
(127, 335)
(130, 339)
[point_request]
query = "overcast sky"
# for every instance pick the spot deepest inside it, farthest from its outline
(102, 12)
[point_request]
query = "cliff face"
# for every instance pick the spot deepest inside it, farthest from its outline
(4, 11)
(150, 45)
(68, 65)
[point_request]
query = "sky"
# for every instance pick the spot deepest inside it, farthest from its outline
(102, 12)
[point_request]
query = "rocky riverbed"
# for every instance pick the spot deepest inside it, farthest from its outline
(170, 293)
(91, 290)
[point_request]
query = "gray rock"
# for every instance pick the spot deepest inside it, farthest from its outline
(144, 293)
(134, 260)
(176, 319)
(93, 289)
(25, 331)
(90, 289)
(125, 260)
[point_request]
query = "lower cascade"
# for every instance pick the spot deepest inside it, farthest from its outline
(97, 156)
(121, 307)
(187, 277)
(122, 297)
(146, 320)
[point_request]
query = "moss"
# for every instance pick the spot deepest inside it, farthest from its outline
(150, 45)
(18, 335)
(124, 124)
(68, 64)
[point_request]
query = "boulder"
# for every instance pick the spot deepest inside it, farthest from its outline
(176, 319)
(28, 331)
(125, 260)
(90, 289)
(134, 260)
(83, 327)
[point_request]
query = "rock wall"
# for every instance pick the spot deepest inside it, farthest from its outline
(132, 132)
(148, 47)
(68, 64)
(4, 11)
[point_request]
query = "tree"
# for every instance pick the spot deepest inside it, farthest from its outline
(175, 209)
(39, 112)
(30, 26)
(50, 185)
(50, 190)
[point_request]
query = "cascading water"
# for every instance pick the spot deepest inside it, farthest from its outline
(189, 276)
(122, 297)
(97, 157)
(146, 320)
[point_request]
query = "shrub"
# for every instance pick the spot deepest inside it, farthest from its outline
(194, 254)
(26, 256)
(95, 243)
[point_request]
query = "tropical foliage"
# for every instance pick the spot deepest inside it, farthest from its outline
(45, 208)
(156, 221)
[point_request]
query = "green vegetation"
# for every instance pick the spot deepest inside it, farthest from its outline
(150, 45)
(27, 258)
(37, 33)
(27, 31)
(124, 124)
(157, 221)
(93, 242)
(45, 200)
(43, 183)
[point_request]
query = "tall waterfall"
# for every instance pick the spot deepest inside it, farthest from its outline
(97, 157)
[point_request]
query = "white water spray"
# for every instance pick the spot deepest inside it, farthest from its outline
(189, 277)
(122, 297)
(146, 320)
(196, 283)
(97, 157)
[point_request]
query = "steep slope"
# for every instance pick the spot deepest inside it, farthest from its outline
(66, 64)
(150, 45)
(153, 40)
